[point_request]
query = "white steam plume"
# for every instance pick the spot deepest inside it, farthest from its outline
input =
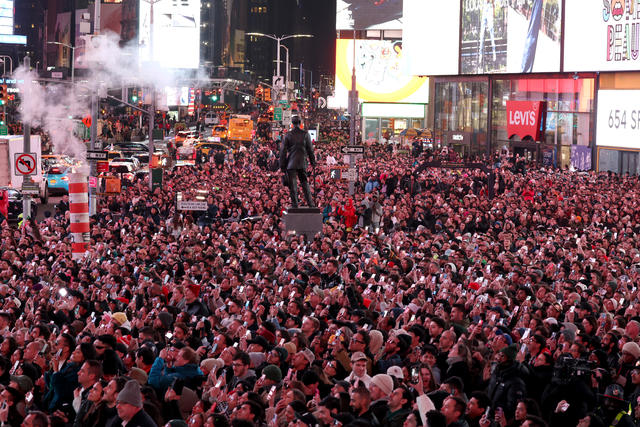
(54, 107)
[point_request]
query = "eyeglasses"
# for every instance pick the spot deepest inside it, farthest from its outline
(354, 339)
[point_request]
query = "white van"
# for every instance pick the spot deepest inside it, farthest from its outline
(211, 119)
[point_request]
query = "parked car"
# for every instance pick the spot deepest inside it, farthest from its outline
(134, 162)
(15, 204)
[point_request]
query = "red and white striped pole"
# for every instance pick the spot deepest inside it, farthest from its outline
(79, 210)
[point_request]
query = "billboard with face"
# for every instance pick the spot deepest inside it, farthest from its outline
(380, 76)
(608, 29)
(369, 14)
(176, 33)
(507, 36)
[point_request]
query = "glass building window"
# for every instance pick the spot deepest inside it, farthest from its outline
(461, 106)
(569, 111)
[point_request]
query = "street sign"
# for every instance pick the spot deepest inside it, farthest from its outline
(278, 82)
(30, 188)
(192, 205)
(93, 182)
(97, 155)
(322, 102)
(25, 164)
(277, 114)
(102, 166)
(351, 174)
(353, 149)
(286, 117)
(4, 130)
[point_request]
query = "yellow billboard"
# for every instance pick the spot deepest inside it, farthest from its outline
(380, 73)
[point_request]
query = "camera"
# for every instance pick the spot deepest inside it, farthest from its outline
(568, 370)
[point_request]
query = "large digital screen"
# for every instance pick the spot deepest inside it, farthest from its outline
(380, 76)
(6, 16)
(618, 122)
(369, 15)
(500, 36)
(176, 33)
(438, 22)
(6, 24)
(602, 35)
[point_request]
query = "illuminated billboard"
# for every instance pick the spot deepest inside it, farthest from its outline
(368, 15)
(6, 17)
(510, 37)
(607, 29)
(176, 33)
(380, 76)
(6, 24)
(618, 119)
(438, 22)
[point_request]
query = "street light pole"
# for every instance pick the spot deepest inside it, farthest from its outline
(279, 41)
(152, 107)
(286, 68)
(73, 58)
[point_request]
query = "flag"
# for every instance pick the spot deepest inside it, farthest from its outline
(4, 203)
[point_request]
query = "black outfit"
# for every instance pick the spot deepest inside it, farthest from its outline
(140, 419)
(294, 151)
(507, 386)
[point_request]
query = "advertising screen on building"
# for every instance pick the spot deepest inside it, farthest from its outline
(618, 122)
(438, 23)
(510, 37)
(6, 17)
(380, 76)
(368, 15)
(6, 24)
(176, 33)
(609, 30)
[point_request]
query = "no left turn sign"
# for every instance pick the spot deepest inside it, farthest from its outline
(25, 164)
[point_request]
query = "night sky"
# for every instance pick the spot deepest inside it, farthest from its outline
(321, 18)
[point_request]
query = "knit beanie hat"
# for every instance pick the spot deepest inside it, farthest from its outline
(273, 373)
(131, 394)
(384, 382)
(166, 319)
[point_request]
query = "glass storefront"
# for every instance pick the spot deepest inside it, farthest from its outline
(619, 161)
(381, 129)
(461, 111)
(382, 121)
(568, 121)
(462, 114)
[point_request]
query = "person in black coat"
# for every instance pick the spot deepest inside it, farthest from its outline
(129, 406)
(294, 151)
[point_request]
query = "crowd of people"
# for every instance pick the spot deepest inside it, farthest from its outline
(423, 302)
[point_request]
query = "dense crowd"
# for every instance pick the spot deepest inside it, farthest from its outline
(423, 302)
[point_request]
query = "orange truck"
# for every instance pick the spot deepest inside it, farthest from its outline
(240, 130)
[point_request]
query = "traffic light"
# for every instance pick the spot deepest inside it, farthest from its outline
(214, 96)
(3, 94)
(134, 95)
(267, 94)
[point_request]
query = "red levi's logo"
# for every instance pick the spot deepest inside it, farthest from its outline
(523, 119)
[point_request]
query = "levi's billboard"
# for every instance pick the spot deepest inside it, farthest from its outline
(524, 119)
